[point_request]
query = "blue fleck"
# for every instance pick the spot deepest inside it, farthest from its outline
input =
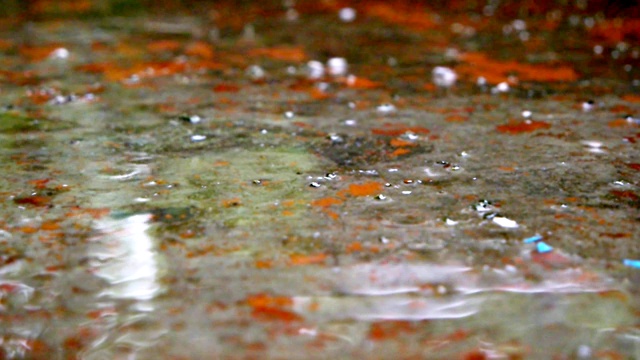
(632, 263)
(543, 247)
(534, 238)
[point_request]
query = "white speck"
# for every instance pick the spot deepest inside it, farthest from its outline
(350, 122)
(289, 114)
(526, 114)
(386, 108)
(310, 332)
(481, 81)
(505, 222)
(592, 143)
(406, 192)
(464, 154)
(194, 119)
(443, 76)
(264, 131)
(315, 69)
(391, 61)
(59, 53)
(584, 352)
(393, 170)
(347, 14)
(627, 67)
(441, 290)
(524, 36)
(141, 200)
(337, 66)
(197, 138)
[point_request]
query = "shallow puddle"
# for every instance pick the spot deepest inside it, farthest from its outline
(319, 179)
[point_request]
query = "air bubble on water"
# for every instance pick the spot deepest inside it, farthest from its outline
(337, 66)
(60, 53)
(292, 15)
(588, 105)
(255, 72)
(443, 76)
(502, 87)
(598, 49)
(589, 22)
(347, 14)
(198, 138)
(386, 108)
(315, 70)
(519, 24)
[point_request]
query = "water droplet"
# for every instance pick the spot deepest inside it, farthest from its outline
(588, 105)
(386, 108)
(198, 138)
(483, 206)
(255, 72)
(193, 119)
(337, 66)
(315, 70)
(444, 76)
(347, 14)
(502, 87)
(60, 53)
(598, 49)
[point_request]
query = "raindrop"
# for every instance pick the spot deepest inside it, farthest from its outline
(337, 66)
(198, 138)
(386, 108)
(598, 49)
(588, 105)
(193, 119)
(482, 206)
(315, 70)
(255, 72)
(443, 76)
(347, 14)
(60, 53)
(335, 138)
(502, 87)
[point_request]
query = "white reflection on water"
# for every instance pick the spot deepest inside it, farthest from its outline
(126, 258)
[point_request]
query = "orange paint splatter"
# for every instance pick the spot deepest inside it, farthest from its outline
(326, 202)
(299, 259)
(522, 127)
(398, 129)
(365, 189)
(293, 54)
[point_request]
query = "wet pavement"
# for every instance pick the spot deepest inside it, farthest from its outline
(307, 180)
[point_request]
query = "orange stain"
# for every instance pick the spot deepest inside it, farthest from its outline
(522, 127)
